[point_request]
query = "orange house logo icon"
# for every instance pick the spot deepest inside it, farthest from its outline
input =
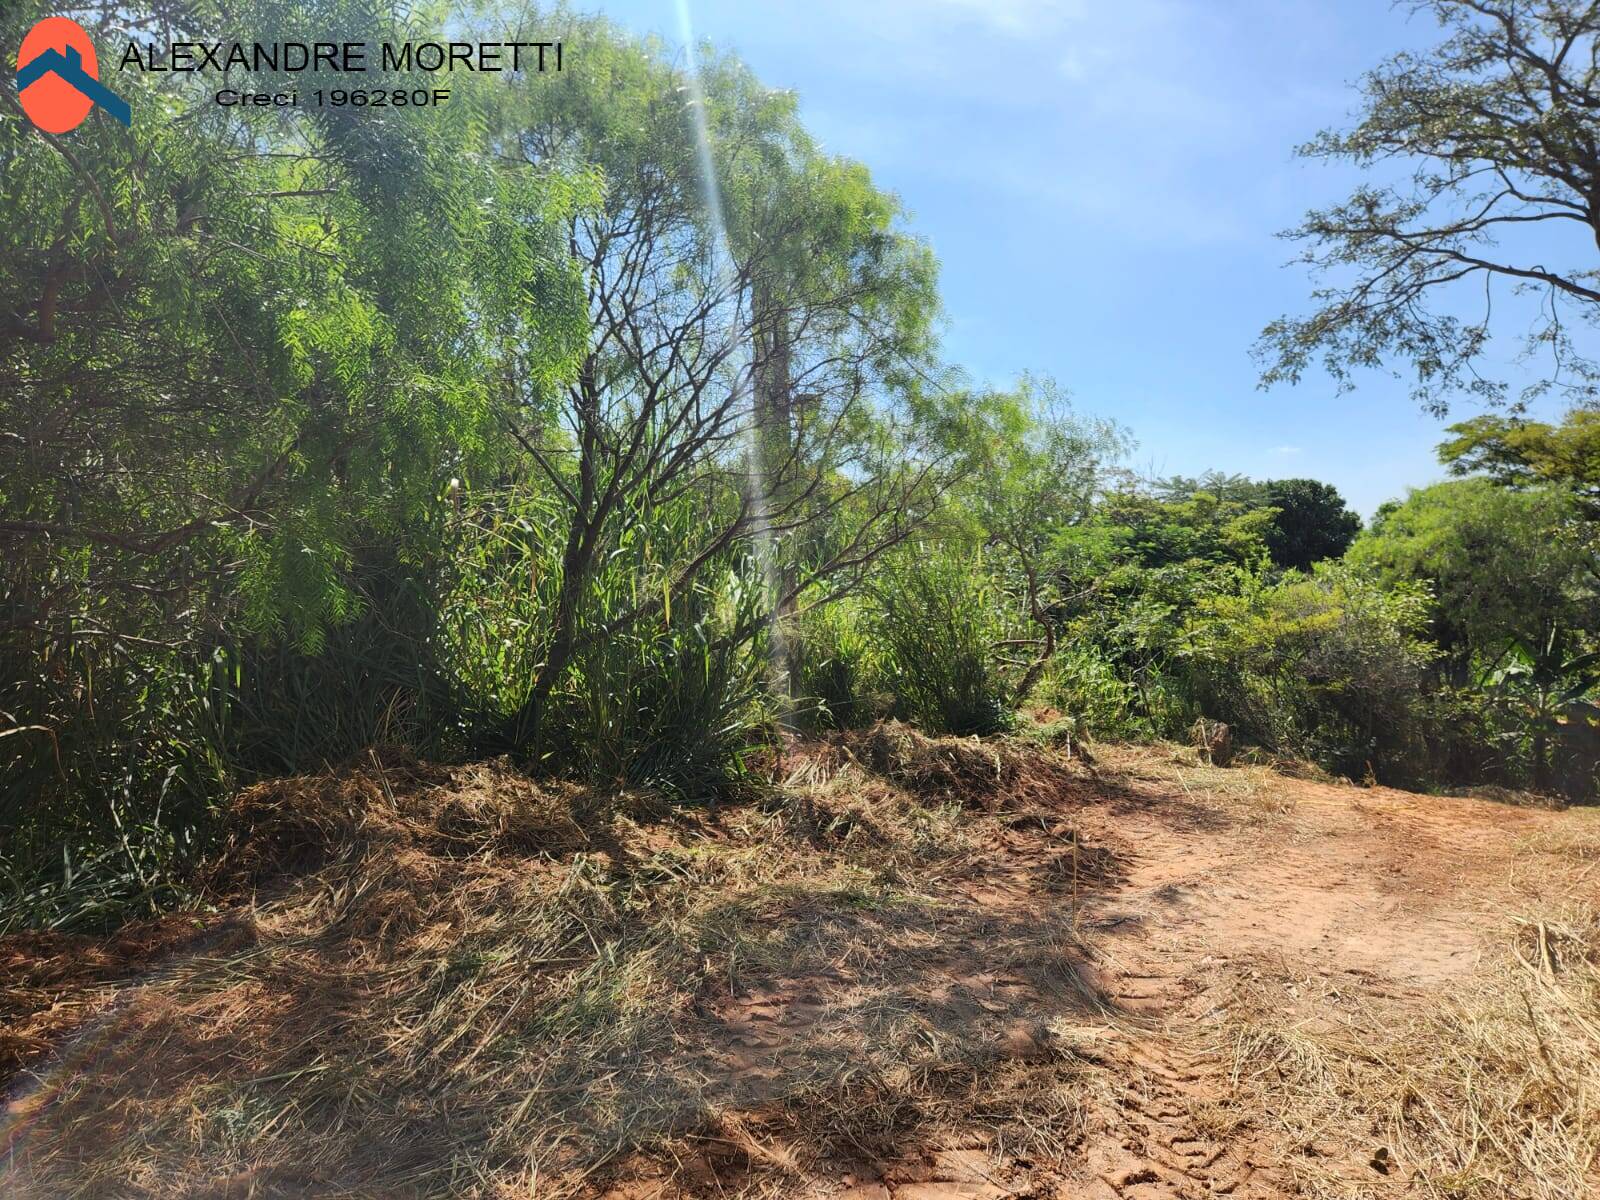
(58, 77)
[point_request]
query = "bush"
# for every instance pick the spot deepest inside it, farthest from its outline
(939, 617)
(675, 704)
(115, 778)
(1084, 684)
(370, 680)
(673, 700)
(841, 672)
(114, 757)
(1327, 666)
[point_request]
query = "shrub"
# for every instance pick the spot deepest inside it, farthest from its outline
(674, 704)
(370, 680)
(1328, 666)
(939, 617)
(1085, 684)
(114, 756)
(672, 700)
(841, 671)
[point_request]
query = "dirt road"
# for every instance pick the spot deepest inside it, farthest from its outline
(1206, 902)
(936, 973)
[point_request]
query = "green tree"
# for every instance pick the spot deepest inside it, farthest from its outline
(1039, 472)
(1497, 124)
(243, 355)
(1201, 528)
(757, 312)
(1312, 522)
(1521, 453)
(232, 344)
(1504, 567)
(1330, 666)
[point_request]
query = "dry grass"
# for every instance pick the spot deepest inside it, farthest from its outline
(434, 981)
(989, 774)
(463, 982)
(1491, 1093)
(1250, 791)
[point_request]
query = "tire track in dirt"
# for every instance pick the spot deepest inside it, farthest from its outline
(1386, 892)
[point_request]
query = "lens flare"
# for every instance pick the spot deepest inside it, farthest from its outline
(755, 482)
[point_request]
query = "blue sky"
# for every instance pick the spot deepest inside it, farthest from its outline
(1102, 181)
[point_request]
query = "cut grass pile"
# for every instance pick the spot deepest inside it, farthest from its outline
(460, 981)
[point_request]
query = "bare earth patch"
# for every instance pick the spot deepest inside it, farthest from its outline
(920, 970)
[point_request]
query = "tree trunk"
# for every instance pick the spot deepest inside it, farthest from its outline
(776, 439)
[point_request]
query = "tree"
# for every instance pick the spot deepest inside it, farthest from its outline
(1520, 453)
(243, 355)
(1311, 524)
(759, 319)
(1503, 566)
(1310, 521)
(1038, 478)
(1498, 124)
(1330, 665)
(233, 344)
(1201, 530)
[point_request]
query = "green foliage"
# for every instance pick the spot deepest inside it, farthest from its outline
(1503, 566)
(939, 619)
(241, 356)
(757, 309)
(1136, 574)
(677, 703)
(1083, 683)
(1035, 481)
(111, 756)
(1329, 666)
(1511, 561)
(673, 702)
(373, 680)
(1519, 453)
(842, 675)
(1311, 523)
(1201, 530)
(1549, 696)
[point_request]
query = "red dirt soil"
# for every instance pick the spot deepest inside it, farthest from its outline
(1185, 890)
(1328, 889)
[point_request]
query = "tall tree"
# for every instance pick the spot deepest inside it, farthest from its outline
(1036, 482)
(759, 321)
(231, 342)
(240, 351)
(1499, 126)
(1520, 453)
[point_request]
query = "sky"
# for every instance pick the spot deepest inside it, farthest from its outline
(1102, 181)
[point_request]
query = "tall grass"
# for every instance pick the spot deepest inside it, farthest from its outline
(939, 619)
(842, 670)
(374, 679)
(112, 757)
(673, 700)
